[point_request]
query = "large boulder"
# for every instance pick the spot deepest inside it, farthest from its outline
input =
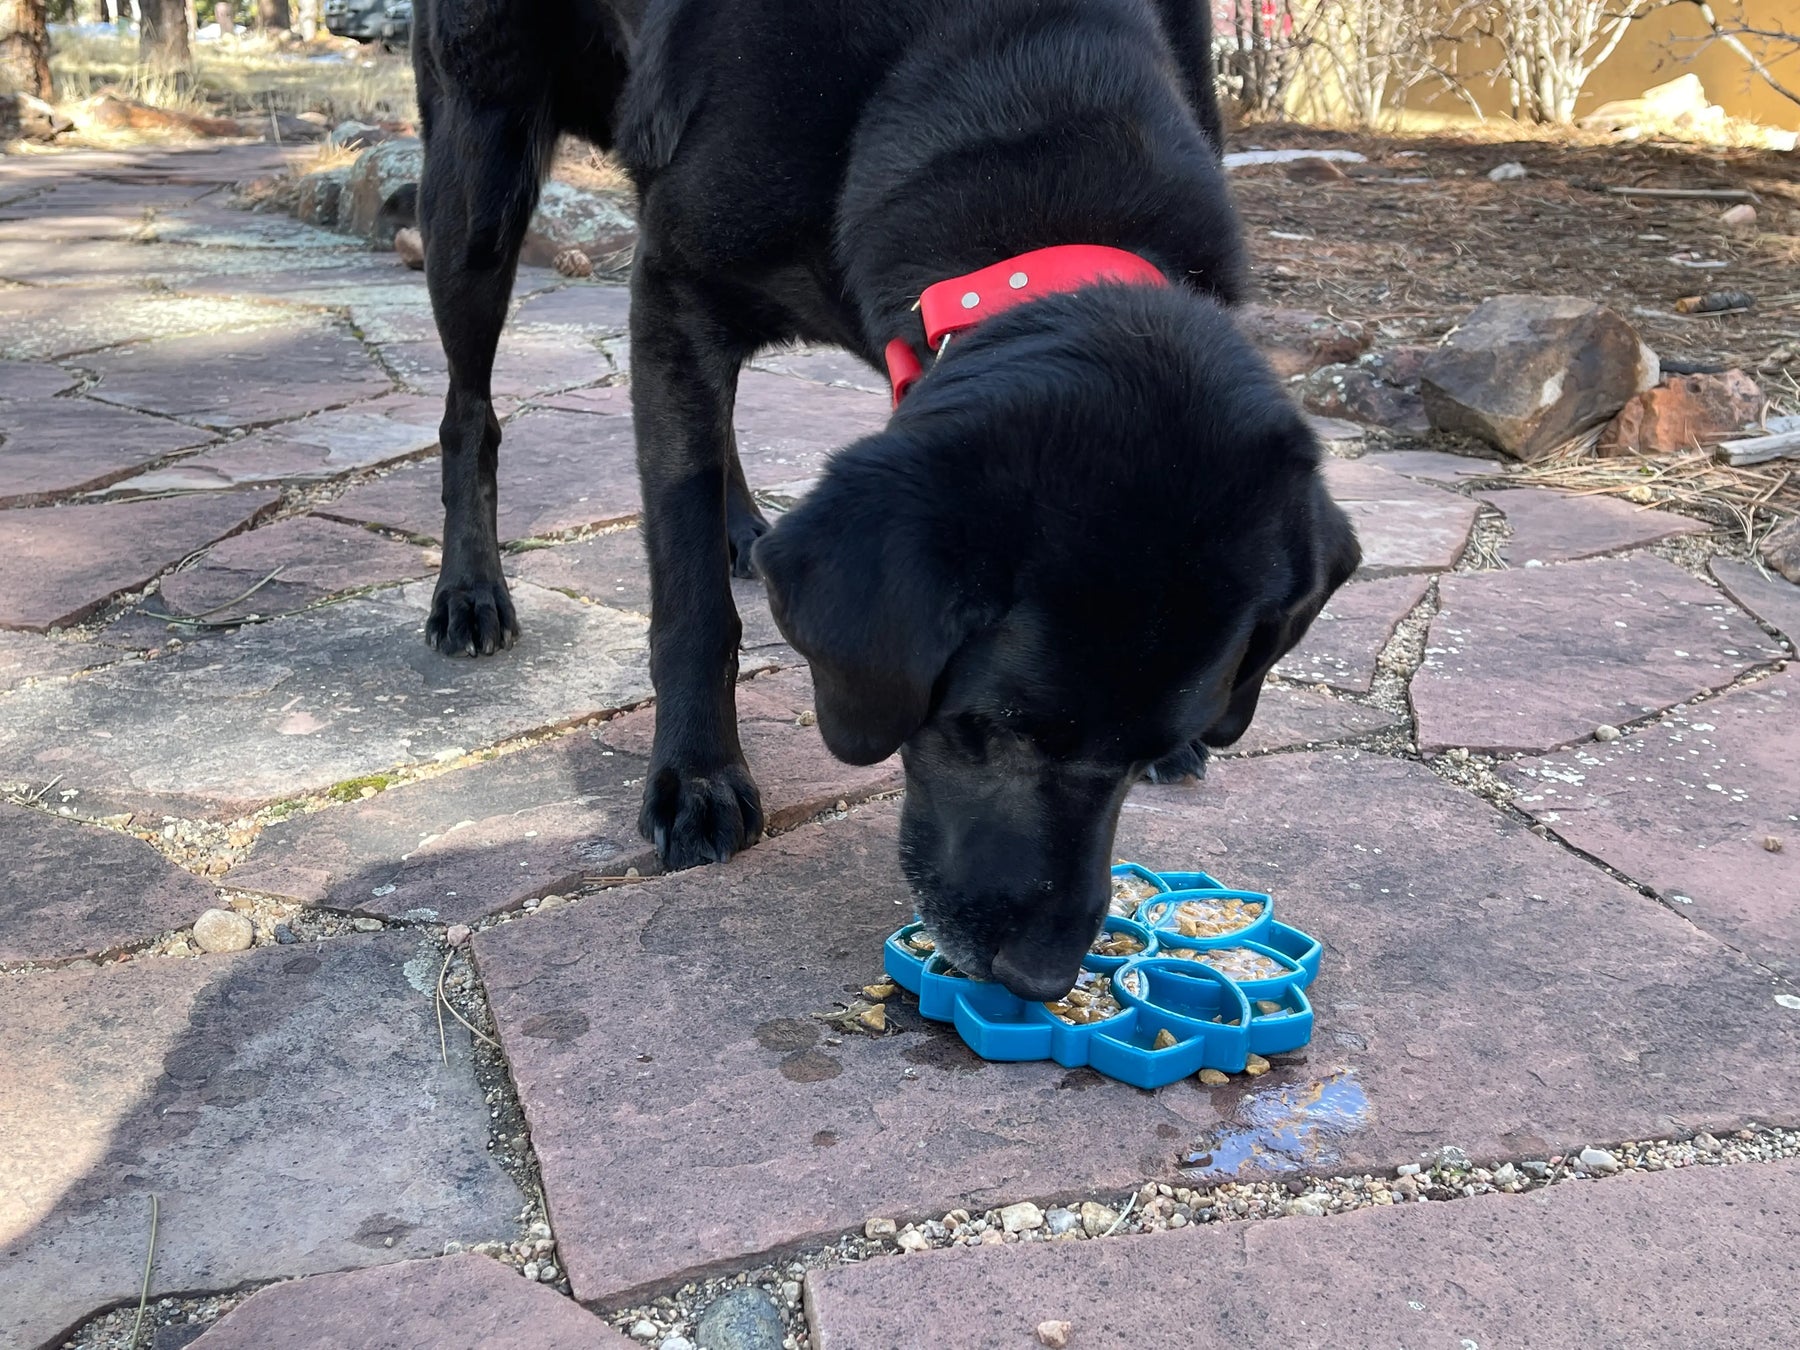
(1781, 551)
(1684, 412)
(381, 175)
(1295, 341)
(1528, 373)
(599, 224)
(1382, 389)
(320, 197)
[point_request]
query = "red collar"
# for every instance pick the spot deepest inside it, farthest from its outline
(958, 303)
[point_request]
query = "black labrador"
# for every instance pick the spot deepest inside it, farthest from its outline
(1091, 527)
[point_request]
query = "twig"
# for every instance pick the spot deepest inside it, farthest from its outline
(202, 615)
(1124, 1214)
(443, 1042)
(1757, 449)
(42, 792)
(1702, 194)
(144, 1292)
(444, 1002)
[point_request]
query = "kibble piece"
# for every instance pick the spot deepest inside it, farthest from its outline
(1165, 1039)
(874, 1018)
(921, 941)
(1130, 891)
(1212, 916)
(1213, 1077)
(1091, 1000)
(1268, 1007)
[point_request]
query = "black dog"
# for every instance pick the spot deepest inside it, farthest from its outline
(1089, 531)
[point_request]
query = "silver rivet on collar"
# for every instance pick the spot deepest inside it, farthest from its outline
(970, 299)
(1017, 281)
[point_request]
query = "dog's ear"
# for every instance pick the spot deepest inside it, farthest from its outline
(855, 585)
(1324, 555)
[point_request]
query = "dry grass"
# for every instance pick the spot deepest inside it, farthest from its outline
(242, 77)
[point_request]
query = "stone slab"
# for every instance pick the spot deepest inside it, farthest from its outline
(559, 471)
(1686, 804)
(530, 363)
(324, 445)
(825, 365)
(276, 710)
(61, 563)
(1535, 658)
(287, 1107)
(1402, 525)
(462, 1302)
(588, 308)
(53, 446)
(1434, 466)
(25, 657)
(73, 889)
(32, 380)
(1288, 718)
(787, 428)
(663, 1041)
(1770, 597)
(241, 379)
(46, 323)
(1550, 526)
(1696, 1256)
(93, 209)
(1342, 647)
(541, 821)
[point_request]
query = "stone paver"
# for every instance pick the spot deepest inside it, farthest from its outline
(53, 446)
(25, 657)
(1434, 466)
(1480, 985)
(1538, 657)
(463, 1302)
(241, 379)
(788, 428)
(279, 709)
(1341, 648)
(320, 446)
(825, 365)
(1689, 805)
(559, 471)
(75, 890)
(1402, 525)
(1771, 598)
(1549, 526)
(43, 325)
(59, 564)
(286, 1106)
(530, 363)
(536, 822)
(1694, 1257)
(33, 380)
(1287, 717)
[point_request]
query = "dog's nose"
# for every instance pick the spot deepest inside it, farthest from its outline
(1033, 981)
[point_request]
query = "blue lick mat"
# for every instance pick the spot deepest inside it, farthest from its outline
(1206, 971)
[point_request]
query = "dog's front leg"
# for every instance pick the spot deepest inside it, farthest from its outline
(700, 804)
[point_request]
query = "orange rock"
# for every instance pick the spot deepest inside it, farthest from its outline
(1682, 413)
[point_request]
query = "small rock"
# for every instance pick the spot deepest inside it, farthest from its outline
(1213, 1077)
(1408, 1170)
(1707, 1144)
(744, 1319)
(1310, 1206)
(913, 1241)
(1536, 1167)
(807, 718)
(876, 1229)
(529, 1270)
(1781, 551)
(1452, 1157)
(457, 934)
(1509, 172)
(572, 262)
(790, 1293)
(1681, 412)
(1097, 1219)
(1407, 1188)
(1599, 1160)
(1506, 1175)
(1020, 1217)
(1313, 169)
(676, 1343)
(219, 930)
(1054, 1334)
(1771, 843)
(992, 1238)
(1060, 1221)
(285, 935)
(643, 1330)
(1741, 214)
(366, 925)
(1256, 1066)
(1295, 341)
(1606, 732)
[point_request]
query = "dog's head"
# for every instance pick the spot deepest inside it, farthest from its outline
(1079, 546)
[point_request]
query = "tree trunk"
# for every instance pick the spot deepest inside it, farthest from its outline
(163, 33)
(223, 16)
(24, 48)
(309, 19)
(271, 14)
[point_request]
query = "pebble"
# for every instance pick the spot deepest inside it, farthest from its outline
(219, 930)
(1407, 1188)
(876, 1229)
(457, 934)
(744, 1319)
(529, 1270)
(1771, 843)
(676, 1343)
(790, 1293)
(1509, 172)
(1707, 1144)
(1741, 214)
(1060, 1221)
(1311, 1206)
(913, 1241)
(410, 245)
(1097, 1219)
(1598, 1160)
(1021, 1217)
(285, 935)
(366, 925)
(1506, 1175)
(643, 1330)
(1054, 1334)
(1606, 732)
(1408, 1170)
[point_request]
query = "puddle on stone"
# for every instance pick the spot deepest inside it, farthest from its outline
(1283, 1129)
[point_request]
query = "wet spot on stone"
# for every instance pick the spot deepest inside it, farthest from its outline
(192, 1061)
(561, 1025)
(810, 1066)
(1166, 1131)
(234, 1087)
(301, 965)
(1079, 1080)
(786, 1034)
(943, 1049)
(1285, 1128)
(381, 1230)
(825, 1139)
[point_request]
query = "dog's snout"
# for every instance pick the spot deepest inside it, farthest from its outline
(1033, 977)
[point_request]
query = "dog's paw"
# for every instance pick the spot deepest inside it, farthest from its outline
(696, 818)
(474, 618)
(744, 528)
(1187, 764)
